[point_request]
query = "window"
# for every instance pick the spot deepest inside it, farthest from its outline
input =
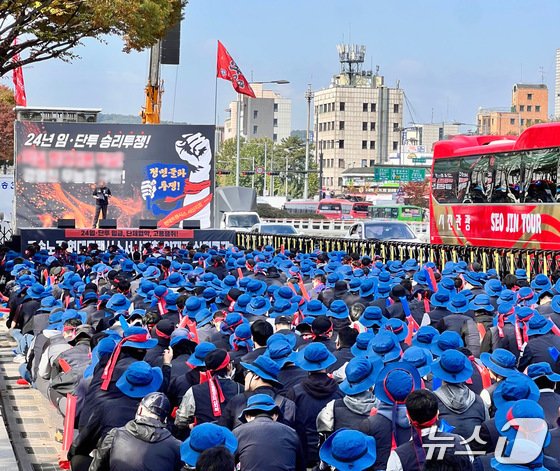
(373, 107)
(275, 137)
(275, 107)
(522, 121)
(512, 121)
(521, 108)
(255, 114)
(364, 163)
(255, 129)
(275, 122)
(364, 126)
(395, 126)
(372, 126)
(341, 144)
(395, 108)
(365, 107)
(529, 122)
(395, 145)
(364, 144)
(342, 106)
(340, 163)
(529, 96)
(341, 125)
(537, 108)
(372, 145)
(529, 108)
(371, 163)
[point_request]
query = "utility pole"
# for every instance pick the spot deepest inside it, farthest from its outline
(238, 149)
(308, 97)
(286, 180)
(264, 173)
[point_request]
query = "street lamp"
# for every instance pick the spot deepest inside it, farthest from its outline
(308, 97)
(239, 105)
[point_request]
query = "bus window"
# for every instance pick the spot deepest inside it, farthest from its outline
(480, 181)
(329, 207)
(444, 180)
(541, 172)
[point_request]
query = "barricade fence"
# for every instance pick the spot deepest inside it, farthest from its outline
(503, 260)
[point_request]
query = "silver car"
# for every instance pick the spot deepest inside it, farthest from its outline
(382, 230)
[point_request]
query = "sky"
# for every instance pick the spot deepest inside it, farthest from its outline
(450, 56)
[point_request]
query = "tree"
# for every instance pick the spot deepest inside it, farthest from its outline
(7, 117)
(417, 193)
(294, 149)
(48, 29)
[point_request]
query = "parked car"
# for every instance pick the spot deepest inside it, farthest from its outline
(274, 228)
(382, 230)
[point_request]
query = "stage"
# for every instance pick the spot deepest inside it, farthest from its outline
(126, 239)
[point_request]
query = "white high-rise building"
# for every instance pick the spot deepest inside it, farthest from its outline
(557, 87)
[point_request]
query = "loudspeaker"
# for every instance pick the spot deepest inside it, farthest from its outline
(147, 224)
(107, 224)
(171, 46)
(66, 224)
(191, 224)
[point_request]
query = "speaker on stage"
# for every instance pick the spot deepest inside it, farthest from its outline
(147, 224)
(66, 224)
(191, 224)
(107, 224)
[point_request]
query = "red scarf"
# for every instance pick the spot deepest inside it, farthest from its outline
(110, 367)
(217, 397)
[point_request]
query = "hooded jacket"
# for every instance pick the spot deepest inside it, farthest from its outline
(347, 412)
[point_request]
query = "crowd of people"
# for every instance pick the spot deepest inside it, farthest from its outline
(218, 359)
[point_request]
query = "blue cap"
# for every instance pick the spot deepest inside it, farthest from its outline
(349, 450)
(199, 354)
(396, 381)
(361, 374)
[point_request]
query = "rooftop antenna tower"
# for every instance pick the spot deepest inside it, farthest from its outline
(351, 58)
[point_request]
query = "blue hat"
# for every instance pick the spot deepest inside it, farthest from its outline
(35, 291)
(203, 437)
(171, 301)
(256, 287)
(259, 403)
(506, 296)
(526, 296)
(146, 343)
(209, 294)
(282, 307)
(472, 278)
(448, 340)
(367, 288)
(458, 303)
(232, 320)
(555, 304)
(521, 274)
(241, 337)
(493, 287)
(105, 347)
(425, 337)
(152, 273)
(420, 358)
(193, 305)
(314, 308)
(265, 368)
(540, 369)
(372, 316)
(315, 357)
(396, 381)
(452, 367)
(539, 325)
(118, 302)
(203, 317)
(90, 296)
(361, 346)
(383, 290)
(338, 309)
(349, 450)
(283, 292)
(70, 314)
(55, 320)
(410, 265)
(140, 379)
(398, 327)
(500, 361)
(242, 303)
(361, 374)
(181, 335)
(481, 302)
(199, 354)
(280, 351)
(175, 280)
(258, 306)
(447, 284)
(48, 304)
(541, 283)
(441, 298)
(385, 345)
(515, 388)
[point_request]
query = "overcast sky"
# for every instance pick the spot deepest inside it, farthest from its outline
(450, 56)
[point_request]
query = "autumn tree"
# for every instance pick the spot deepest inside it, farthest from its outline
(417, 193)
(48, 29)
(7, 117)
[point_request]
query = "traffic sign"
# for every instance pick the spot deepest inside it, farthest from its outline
(259, 170)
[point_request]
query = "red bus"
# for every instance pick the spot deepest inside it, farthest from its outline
(498, 191)
(333, 208)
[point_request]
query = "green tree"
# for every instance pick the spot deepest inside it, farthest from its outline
(7, 117)
(293, 148)
(47, 29)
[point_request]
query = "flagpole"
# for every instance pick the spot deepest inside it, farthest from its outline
(238, 151)
(215, 142)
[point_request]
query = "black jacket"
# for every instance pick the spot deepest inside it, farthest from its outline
(538, 349)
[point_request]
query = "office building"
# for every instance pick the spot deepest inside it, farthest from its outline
(269, 115)
(57, 114)
(357, 119)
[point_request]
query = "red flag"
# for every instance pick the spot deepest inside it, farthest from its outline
(21, 99)
(228, 70)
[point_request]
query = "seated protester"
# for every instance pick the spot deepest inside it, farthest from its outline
(512, 389)
(241, 343)
(195, 374)
(217, 458)
(162, 332)
(221, 338)
(143, 443)
(541, 341)
(182, 343)
(208, 322)
(261, 377)
(344, 341)
(439, 302)
(421, 359)
(204, 402)
(203, 438)
(358, 402)
(20, 320)
(501, 364)
(371, 319)
(547, 381)
(70, 366)
(280, 349)
(261, 330)
(501, 335)
(338, 314)
(458, 405)
(422, 410)
(322, 332)
(283, 325)
(137, 381)
(396, 309)
(389, 425)
(311, 395)
(259, 431)
(348, 450)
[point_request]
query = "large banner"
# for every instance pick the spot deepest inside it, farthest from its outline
(161, 172)
(6, 196)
